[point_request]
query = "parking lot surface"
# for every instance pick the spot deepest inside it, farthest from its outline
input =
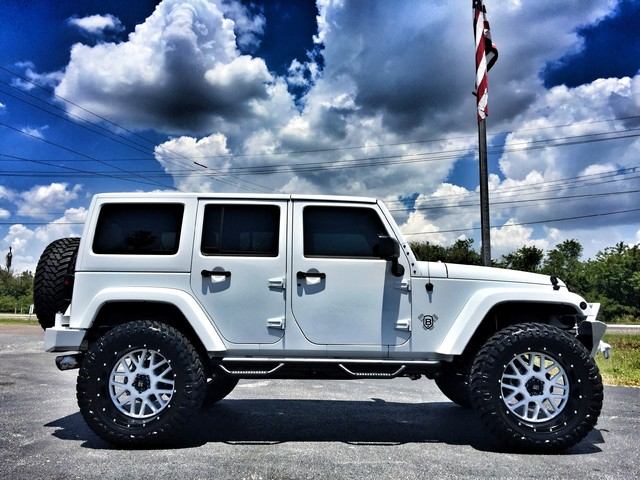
(373, 429)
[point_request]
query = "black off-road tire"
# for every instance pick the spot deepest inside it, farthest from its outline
(50, 293)
(453, 382)
(584, 403)
(218, 388)
(99, 410)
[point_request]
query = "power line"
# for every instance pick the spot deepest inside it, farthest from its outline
(75, 152)
(431, 140)
(508, 202)
(537, 222)
(266, 170)
(52, 92)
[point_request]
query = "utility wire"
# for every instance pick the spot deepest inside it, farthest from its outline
(537, 222)
(75, 152)
(52, 92)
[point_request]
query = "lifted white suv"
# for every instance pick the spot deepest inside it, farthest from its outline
(169, 299)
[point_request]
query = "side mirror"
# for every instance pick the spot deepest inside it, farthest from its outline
(389, 249)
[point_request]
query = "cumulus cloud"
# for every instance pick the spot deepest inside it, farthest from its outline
(249, 23)
(33, 78)
(40, 200)
(511, 236)
(179, 71)
(97, 24)
(3, 107)
(4, 213)
(28, 243)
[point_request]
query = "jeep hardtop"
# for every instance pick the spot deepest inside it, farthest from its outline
(168, 299)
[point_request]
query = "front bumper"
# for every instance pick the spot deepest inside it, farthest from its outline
(590, 330)
(63, 339)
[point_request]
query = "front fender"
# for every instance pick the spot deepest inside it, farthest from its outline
(482, 301)
(191, 310)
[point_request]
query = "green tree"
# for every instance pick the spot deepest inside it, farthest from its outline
(563, 262)
(460, 252)
(526, 258)
(614, 280)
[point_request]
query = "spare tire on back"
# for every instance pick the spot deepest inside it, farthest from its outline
(51, 292)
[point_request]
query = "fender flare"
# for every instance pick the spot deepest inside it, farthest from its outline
(183, 301)
(481, 302)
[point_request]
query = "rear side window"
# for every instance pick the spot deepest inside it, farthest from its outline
(341, 232)
(138, 229)
(248, 230)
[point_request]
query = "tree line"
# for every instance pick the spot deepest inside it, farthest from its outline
(612, 277)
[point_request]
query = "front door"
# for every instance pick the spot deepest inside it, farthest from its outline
(238, 268)
(345, 293)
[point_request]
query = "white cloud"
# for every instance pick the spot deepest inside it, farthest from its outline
(4, 213)
(249, 23)
(179, 71)
(42, 200)
(97, 24)
(3, 107)
(34, 78)
(29, 243)
(510, 237)
(37, 132)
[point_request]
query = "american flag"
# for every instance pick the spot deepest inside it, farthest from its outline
(486, 56)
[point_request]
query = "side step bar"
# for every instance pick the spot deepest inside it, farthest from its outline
(335, 368)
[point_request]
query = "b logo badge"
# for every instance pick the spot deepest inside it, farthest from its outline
(428, 321)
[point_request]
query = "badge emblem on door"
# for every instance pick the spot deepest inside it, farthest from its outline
(428, 321)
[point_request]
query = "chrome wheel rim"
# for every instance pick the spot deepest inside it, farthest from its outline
(141, 383)
(534, 387)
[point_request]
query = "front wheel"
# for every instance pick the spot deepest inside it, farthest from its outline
(453, 382)
(536, 387)
(218, 388)
(140, 384)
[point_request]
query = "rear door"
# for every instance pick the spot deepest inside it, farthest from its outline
(239, 267)
(344, 293)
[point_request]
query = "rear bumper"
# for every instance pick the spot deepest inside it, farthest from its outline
(63, 339)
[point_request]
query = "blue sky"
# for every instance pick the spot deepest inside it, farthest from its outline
(376, 95)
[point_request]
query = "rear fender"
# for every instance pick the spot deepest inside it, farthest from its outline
(183, 301)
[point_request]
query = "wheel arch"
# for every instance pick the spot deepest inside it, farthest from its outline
(489, 311)
(112, 307)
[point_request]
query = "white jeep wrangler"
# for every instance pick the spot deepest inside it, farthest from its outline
(168, 299)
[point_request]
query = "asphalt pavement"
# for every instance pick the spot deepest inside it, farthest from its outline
(373, 429)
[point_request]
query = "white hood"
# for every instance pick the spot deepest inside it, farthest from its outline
(472, 272)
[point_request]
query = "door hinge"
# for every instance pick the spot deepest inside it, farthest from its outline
(404, 285)
(275, 322)
(404, 324)
(277, 282)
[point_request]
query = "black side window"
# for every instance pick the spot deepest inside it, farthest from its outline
(250, 230)
(138, 228)
(341, 232)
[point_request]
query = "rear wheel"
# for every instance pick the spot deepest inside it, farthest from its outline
(140, 384)
(536, 387)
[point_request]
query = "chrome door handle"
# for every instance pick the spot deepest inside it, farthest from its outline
(320, 275)
(215, 273)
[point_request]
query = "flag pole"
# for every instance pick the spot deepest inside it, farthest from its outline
(485, 226)
(486, 56)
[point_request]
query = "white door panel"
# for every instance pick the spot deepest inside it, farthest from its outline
(348, 301)
(242, 292)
